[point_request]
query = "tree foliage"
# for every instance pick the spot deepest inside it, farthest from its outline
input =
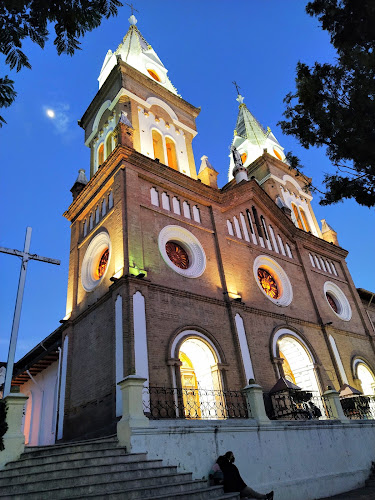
(334, 104)
(29, 19)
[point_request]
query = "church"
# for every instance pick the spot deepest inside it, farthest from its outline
(193, 288)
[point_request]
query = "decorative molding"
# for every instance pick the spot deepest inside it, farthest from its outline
(344, 309)
(279, 275)
(91, 260)
(192, 246)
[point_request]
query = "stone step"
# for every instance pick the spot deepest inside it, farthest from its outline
(214, 492)
(195, 493)
(131, 470)
(81, 455)
(106, 489)
(123, 460)
(203, 493)
(100, 483)
(77, 446)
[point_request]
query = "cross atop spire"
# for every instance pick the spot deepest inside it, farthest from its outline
(237, 87)
(133, 9)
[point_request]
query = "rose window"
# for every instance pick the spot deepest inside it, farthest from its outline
(177, 255)
(332, 302)
(268, 283)
(102, 263)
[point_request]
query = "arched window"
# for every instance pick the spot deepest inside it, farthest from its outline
(298, 365)
(297, 216)
(157, 142)
(176, 205)
(104, 207)
(85, 228)
(230, 228)
(366, 377)
(100, 154)
(110, 200)
(304, 219)
(154, 197)
(109, 144)
(200, 378)
(171, 153)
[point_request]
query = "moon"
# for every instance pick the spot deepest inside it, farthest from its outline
(50, 113)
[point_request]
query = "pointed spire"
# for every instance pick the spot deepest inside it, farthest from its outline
(207, 174)
(135, 51)
(79, 184)
(82, 179)
(205, 164)
(247, 125)
(328, 233)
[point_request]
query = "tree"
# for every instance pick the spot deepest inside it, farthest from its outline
(334, 104)
(22, 19)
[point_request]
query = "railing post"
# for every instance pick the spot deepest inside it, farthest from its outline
(255, 402)
(14, 440)
(333, 400)
(132, 409)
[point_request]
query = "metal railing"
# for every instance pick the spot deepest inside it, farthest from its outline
(288, 406)
(359, 407)
(197, 404)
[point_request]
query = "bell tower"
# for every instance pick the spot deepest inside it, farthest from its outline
(139, 131)
(133, 81)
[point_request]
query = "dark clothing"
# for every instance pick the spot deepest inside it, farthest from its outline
(232, 479)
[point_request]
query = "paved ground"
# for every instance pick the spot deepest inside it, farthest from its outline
(366, 493)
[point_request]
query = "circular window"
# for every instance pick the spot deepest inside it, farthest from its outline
(182, 251)
(332, 302)
(154, 75)
(177, 255)
(95, 262)
(277, 154)
(337, 301)
(268, 283)
(273, 281)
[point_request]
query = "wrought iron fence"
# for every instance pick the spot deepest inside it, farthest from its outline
(359, 407)
(288, 406)
(203, 404)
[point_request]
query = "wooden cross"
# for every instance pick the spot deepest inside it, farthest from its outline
(25, 256)
(133, 9)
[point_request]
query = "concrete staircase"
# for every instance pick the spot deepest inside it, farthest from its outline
(97, 469)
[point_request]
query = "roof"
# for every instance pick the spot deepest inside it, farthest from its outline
(284, 385)
(38, 359)
(248, 127)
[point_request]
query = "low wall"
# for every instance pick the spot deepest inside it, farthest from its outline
(299, 460)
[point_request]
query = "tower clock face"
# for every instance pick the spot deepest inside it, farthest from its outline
(177, 255)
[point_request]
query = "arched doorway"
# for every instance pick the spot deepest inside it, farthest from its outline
(366, 377)
(298, 364)
(200, 379)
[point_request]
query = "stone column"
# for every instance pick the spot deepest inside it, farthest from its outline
(14, 440)
(333, 401)
(255, 403)
(132, 409)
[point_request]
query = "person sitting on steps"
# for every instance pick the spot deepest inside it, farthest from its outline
(233, 481)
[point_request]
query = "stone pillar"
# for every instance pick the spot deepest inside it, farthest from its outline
(333, 401)
(14, 440)
(255, 402)
(132, 409)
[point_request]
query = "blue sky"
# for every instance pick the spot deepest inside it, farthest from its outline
(205, 46)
